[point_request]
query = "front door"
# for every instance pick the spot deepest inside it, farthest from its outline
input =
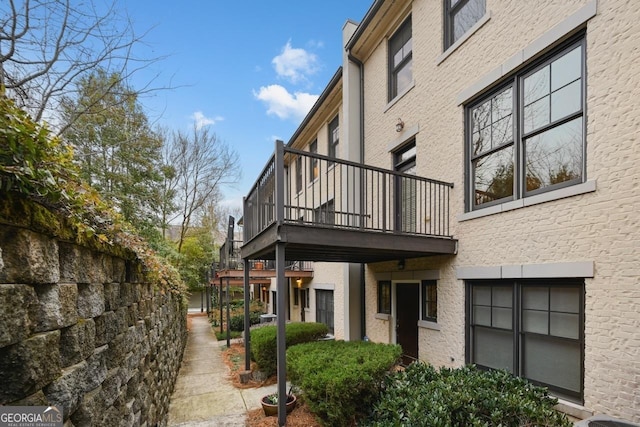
(407, 311)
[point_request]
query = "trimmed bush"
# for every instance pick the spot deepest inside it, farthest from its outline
(466, 396)
(340, 380)
(264, 345)
(236, 323)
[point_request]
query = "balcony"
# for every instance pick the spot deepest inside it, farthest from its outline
(326, 209)
(260, 271)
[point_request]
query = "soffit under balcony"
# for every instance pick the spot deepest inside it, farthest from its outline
(313, 243)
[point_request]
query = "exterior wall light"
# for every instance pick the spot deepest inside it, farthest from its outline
(399, 125)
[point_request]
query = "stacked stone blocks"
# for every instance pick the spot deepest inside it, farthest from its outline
(80, 329)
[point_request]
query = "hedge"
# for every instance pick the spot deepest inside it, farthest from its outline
(467, 396)
(264, 349)
(340, 380)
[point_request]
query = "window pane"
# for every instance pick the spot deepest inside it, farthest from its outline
(502, 132)
(536, 85)
(502, 105)
(502, 296)
(554, 156)
(565, 299)
(536, 298)
(536, 115)
(566, 69)
(566, 101)
(502, 318)
(553, 362)
(482, 295)
(493, 176)
(565, 325)
(493, 348)
(535, 321)
(404, 77)
(481, 116)
(482, 315)
(468, 15)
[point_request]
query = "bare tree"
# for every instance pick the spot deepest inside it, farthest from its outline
(202, 165)
(47, 45)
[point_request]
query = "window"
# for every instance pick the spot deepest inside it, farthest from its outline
(527, 136)
(324, 308)
(296, 296)
(532, 328)
(298, 174)
(400, 60)
(275, 302)
(334, 137)
(313, 161)
(406, 203)
(459, 17)
(384, 297)
(325, 214)
(429, 300)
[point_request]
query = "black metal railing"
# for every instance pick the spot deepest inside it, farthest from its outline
(230, 259)
(327, 192)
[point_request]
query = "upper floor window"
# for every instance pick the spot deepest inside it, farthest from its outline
(406, 189)
(527, 136)
(298, 174)
(334, 137)
(313, 162)
(400, 60)
(459, 16)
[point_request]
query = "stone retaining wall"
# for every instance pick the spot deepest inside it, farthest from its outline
(80, 329)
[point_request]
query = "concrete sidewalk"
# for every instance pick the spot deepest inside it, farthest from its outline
(204, 395)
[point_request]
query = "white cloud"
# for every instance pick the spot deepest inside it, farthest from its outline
(284, 104)
(201, 120)
(295, 64)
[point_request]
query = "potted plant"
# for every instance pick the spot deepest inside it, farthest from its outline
(270, 403)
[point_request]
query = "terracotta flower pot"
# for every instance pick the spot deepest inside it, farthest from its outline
(271, 409)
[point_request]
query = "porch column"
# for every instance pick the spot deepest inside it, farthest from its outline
(280, 285)
(247, 334)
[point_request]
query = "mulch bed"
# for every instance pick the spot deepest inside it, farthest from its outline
(300, 417)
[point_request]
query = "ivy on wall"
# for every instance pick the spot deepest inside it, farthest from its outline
(37, 167)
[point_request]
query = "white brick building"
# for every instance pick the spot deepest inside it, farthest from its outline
(530, 110)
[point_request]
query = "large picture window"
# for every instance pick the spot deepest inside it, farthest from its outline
(400, 60)
(459, 17)
(532, 328)
(527, 137)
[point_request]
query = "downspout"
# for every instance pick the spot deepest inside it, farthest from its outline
(363, 300)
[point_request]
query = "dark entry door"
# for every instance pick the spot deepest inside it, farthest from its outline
(407, 311)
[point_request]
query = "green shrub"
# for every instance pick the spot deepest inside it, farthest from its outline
(264, 344)
(236, 323)
(339, 379)
(466, 396)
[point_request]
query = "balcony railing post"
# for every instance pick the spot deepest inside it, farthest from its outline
(279, 184)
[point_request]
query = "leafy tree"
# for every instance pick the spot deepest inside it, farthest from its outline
(46, 45)
(117, 151)
(198, 251)
(202, 164)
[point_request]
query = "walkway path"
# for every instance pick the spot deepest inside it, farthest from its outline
(203, 395)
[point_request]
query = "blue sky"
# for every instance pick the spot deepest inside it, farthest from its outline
(249, 70)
